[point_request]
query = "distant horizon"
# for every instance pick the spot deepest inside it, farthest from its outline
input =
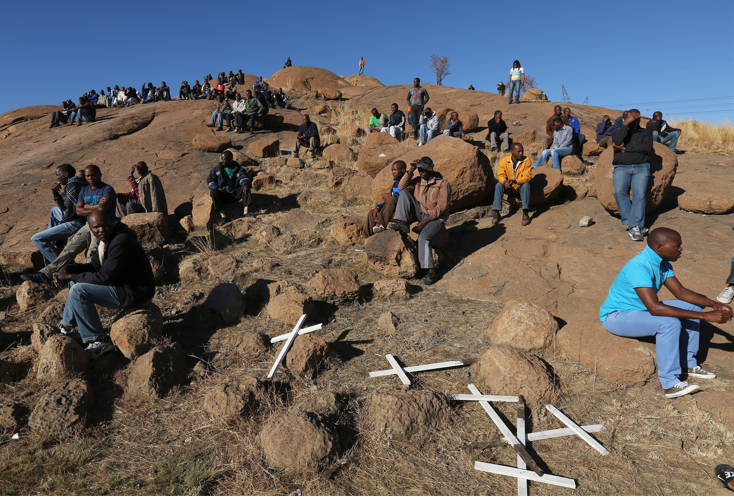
(616, 62)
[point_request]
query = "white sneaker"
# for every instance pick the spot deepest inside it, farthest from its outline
(726, 296)
(636, 234)
(699, 372)
(378, 229)
(420, 144)
(681, 389)
(96, 349)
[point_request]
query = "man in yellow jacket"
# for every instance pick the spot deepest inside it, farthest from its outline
(513, 175)
(429, 204)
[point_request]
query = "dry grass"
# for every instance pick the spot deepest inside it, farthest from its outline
(171, 446)
(705, 138)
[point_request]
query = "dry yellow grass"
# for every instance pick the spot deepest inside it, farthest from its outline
(705, 138)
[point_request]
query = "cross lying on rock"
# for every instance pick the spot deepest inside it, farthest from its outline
(289, 339)
(400, 371)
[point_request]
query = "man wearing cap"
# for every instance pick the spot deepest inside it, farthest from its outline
(429, 204)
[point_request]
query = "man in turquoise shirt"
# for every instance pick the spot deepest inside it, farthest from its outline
(632, 309)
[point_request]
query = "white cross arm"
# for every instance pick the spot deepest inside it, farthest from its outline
(398, 369)
(561, 432)
(303, 331)
(417, 369)
(488, 398)
(523, 473)
(287, 345)
(578, 430)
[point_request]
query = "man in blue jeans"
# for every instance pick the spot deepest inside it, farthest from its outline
(632, 148)
(119, 277)
(632, 309)
(662, 132)
(64, 220)
(562, 143)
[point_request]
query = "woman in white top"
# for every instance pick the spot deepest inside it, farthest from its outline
(517, 79)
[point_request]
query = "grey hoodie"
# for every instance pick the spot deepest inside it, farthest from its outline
(418, 96)
(432, 123)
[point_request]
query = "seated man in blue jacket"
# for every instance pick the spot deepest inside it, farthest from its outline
(604, 131)
(228, 183)
(308, 136)
(118, 277)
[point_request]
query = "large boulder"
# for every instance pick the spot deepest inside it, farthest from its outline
(572, 165)
(150, 227)
(308, 354)
(623, 360)
(506, 370)
(544, 187)
(347, 230)
(373, 159)
(41, 333)
(231, 400)
(65, 406)
(211, 143)
(464, 166)
(253, 343)
(267, 147)
(227, 302)
(32, 296)
(525, 139)
(360, 185)
(392, 254)
(202, 212)
(59, 357)
(401, 415)
(534, 95)
(331, 94)
(135, 332)
(289, 307)
(706, 203)
(298, 440)
(379, 139)
(663, 165)
(299, 219)
(335, 284)
(524, 325)
(157, 371)
(306, 78)
(263, 182)
(222, 267)
(469, 119)
(338, 153)
(391, 289)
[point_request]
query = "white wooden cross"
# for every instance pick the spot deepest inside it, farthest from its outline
(578, 430)
(400, 371)
(291, 337)
(302, 331)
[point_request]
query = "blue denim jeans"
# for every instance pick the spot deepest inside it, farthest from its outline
(221, 115)
(79, 309)
(499, 191)
(676, 340)
(635, 178)
(556, 154)
(79, 116)
(515, 86)
(671, 139)
(426, 134)
(44, 240)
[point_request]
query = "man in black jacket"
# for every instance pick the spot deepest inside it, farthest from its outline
(228, 183)
(308, 136)
(396, 123)
(64, 221)
(662, 132)
(118, 277)
(496, 128)
(632, 148)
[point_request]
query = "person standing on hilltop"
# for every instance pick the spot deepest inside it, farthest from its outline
(547, 141)
(632, 148)
(517, 79)
(417, 98)
(662, 132)
(361, 66)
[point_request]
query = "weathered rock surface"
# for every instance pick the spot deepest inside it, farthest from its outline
(388, 323)
(706, 203)
(135, 332)
(545, 186)
(227, 302)
(307, 356)
(401, 415)
(379, 139)
(231, 400)
(506, 370)
(267, 147)
(211, 143)
(340, 175)
(157, 371)
(523, 325)
(59, 357)
(253, 343)
(41, 333)
(339, 153)
(347, 230)
(469, 119)
(150, 227)
(299, 219)
(263, 182)
(65, 406)
(391, 289)
(373, 159)
(222, 267)
(289, 307)
(360, 185)
(572, 165)
(335, 284)
(298, 440)
(391, 254)
(32, 295)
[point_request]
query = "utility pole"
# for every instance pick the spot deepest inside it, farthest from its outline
(586, 100)
(565, 97)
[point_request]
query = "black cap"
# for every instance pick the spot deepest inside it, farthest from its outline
(425, 164)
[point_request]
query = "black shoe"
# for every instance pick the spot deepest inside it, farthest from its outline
(429, 279)
(35, 278)
(401, 226)
(725, 474)
(224, 220)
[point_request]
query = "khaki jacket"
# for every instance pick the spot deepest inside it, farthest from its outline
(433, 196)
(523, 174)
(152, 196)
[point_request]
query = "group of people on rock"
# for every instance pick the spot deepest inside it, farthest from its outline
(244, 110)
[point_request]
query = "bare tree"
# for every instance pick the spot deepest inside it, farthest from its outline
(529, 82)
(440, 66)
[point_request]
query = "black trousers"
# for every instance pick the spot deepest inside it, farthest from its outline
(220, 198)
(730, 281)
(415, 113)
(58, 118)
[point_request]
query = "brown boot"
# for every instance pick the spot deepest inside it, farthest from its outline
(525, 219)
(496, 217)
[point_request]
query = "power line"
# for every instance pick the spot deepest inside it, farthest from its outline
(670, 101)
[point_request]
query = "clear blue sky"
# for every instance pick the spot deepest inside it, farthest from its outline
(675, 56)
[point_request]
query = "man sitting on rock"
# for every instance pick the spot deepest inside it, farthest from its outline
(228, 183)
(454, 127)
(573, 121)
(221, 111)
(430, 126)
(662, 132)
(562, 143)
(513, 175)
(377, 122)
(618, 122)
(146, 193)
(497, 128)
(379, 217)
(118, 277)
(429, 205)
(84, 112)
(262, 97)
(396, 123)
(64, 220)
(308, 136)
(604, 131)
(281, 99)
(632, 148)
(59, 117)
(251, 109)
(547, 141)
(632, 309)
(231, 91)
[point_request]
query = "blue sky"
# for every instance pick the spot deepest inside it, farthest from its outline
(675, 56)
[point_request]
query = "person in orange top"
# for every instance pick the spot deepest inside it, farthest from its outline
(513, 175)
(429, 204)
